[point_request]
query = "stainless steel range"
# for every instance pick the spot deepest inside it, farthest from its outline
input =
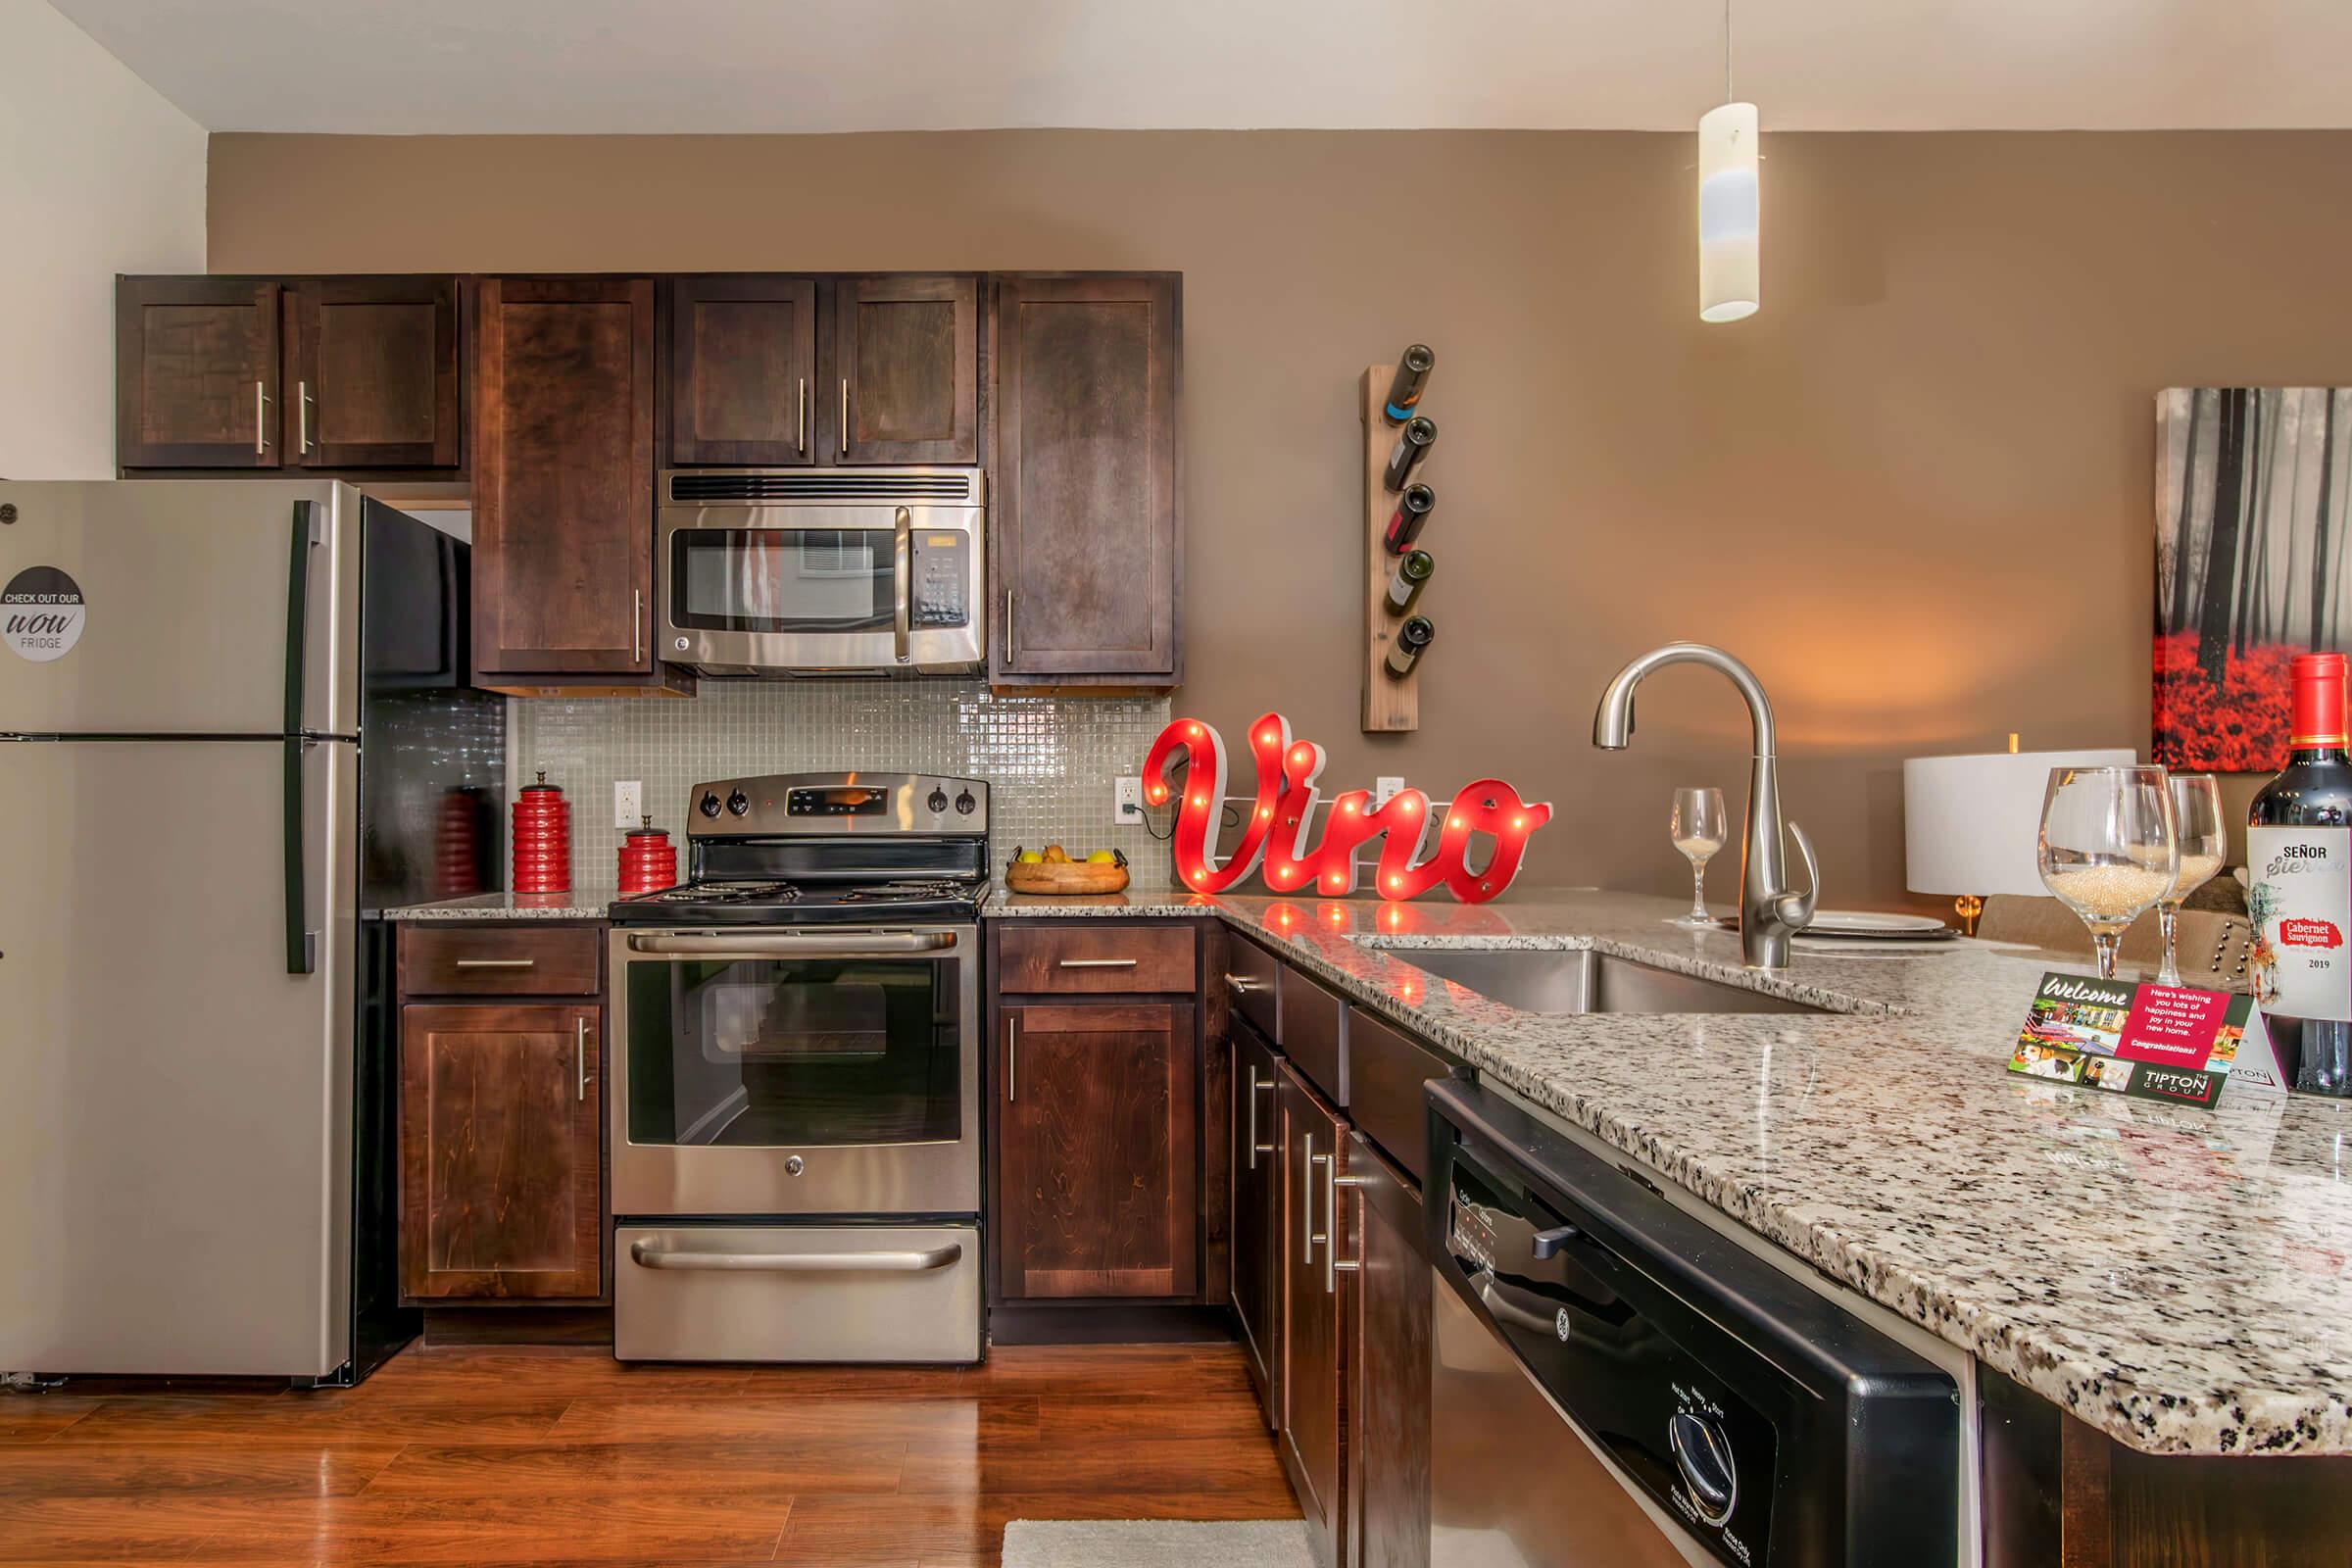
(795, 1107)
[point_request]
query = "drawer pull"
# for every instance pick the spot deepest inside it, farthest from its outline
(645, 1255)
(1096, 963)
(497, 963)
(1243, 985)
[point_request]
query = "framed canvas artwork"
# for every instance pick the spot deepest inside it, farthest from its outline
(2253, 490)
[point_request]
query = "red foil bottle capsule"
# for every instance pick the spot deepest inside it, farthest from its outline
(541, 839)
(648, 862)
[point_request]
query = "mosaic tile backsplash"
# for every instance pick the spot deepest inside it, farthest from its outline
(1050, 761)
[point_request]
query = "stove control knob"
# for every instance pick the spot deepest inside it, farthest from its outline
(739, 802)
(938, 802)
(1702, 1454)
(966, 806)
(708, 805)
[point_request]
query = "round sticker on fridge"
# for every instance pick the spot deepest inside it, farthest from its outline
(41, 613)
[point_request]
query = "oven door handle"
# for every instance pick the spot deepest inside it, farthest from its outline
(799, 944)
(645, 1255)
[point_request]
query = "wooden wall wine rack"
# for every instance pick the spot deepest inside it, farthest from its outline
(1392, 703)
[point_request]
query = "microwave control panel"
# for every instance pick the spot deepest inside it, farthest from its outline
(940, 569)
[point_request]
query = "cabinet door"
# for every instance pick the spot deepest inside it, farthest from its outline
(501, 1162)
(376, 373)
(1314, 1296)
(1256, 1211)
(563, 476)
(1083, 503)
(1389, 1351)
(196, 367)
(1099, 1124)
(906, 369)
(743, 383)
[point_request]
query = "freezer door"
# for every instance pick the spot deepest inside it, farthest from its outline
(186, 610)
(176, 1140)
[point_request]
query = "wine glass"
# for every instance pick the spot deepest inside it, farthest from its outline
(2204, 841)
(2109, 849)
(1697, 826)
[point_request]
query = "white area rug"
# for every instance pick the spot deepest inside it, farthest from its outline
(1155, 1543)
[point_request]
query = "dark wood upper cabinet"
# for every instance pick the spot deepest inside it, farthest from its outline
(742, 375)
(1099, 1127)
(376, 373)
(1389, 1367)
(1315, 1300)
(1084, 510)
(196, 374)
(905, 369)
(1256, 1214)
(564, 481)
(501, 1152)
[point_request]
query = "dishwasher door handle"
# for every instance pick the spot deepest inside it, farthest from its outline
(645, 1255)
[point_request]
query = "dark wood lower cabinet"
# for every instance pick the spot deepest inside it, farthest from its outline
(1316, 1299)
(1252, 1157)
(501, 1152)
(1388, 1362)
(1097, 1171)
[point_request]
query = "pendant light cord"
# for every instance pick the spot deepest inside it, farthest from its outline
(1727, 51)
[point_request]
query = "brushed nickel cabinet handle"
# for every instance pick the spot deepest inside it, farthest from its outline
(261, 415)
(799, 429)
(845, 416)
(1333, 1265)
(579, 1052)
(302, 413)
(1096, 963)
(1008, 628)
(1012, 1058)
(1307, 1194)
(496, 963)
(1243, 985)
(1258, 1086)
(637, 625)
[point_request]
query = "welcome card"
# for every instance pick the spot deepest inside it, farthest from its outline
(2178, 1044)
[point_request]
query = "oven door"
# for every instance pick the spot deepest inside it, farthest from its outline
(750, 588)
(795, 1072)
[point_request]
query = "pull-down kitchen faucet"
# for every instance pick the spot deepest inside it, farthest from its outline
(1769, 912)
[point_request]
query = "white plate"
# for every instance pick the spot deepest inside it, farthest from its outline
(1865, 925)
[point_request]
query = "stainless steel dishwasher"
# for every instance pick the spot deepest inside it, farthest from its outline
(1617, 1386)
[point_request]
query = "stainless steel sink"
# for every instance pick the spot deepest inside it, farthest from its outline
(1581, 980)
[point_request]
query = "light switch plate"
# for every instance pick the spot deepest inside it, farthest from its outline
(628, 802)
(1127, 801)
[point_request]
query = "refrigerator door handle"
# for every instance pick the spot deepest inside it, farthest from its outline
(300, 956)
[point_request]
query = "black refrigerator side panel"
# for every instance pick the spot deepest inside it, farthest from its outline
(432, 782)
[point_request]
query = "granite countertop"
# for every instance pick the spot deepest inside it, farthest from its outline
(2175, 1278)
(580, 903)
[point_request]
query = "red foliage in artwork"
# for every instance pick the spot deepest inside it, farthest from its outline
(2239, 728)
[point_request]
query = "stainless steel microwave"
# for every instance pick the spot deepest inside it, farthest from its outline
(823, 572)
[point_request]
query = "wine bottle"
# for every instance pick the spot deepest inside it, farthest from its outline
(1413, 507)
(1414, 442)
(1406, 386)
(1412, 637)
(1405, 582)
(2299, 886)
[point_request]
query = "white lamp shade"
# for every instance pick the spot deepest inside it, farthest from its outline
(1971, 823)
(1730, 215)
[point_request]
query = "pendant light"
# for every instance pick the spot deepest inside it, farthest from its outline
(1730, 212)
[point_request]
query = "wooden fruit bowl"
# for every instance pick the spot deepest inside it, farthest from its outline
(1065, 878)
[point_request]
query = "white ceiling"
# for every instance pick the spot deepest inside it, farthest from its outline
(640, 65)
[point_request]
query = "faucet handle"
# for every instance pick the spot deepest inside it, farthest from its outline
(1795, 909)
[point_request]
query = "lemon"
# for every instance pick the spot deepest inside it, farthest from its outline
(1031, 858)
(1102, 857)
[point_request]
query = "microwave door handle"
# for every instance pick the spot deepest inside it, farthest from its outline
(904, 628)
(803, 944)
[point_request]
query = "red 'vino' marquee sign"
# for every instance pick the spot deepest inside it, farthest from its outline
(1282, 819)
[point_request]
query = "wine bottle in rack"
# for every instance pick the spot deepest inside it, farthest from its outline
(2299, 886)
(1413, 507)
(1414, 636)
(1405, 583)
(1406, 386)
(1414, 442)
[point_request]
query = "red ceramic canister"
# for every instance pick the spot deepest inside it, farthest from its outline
(541, 839)
(648, 862)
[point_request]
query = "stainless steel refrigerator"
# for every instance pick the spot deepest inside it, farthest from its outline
(235, 728)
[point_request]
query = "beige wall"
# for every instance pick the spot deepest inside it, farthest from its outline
(1914, 492)
(98, 176)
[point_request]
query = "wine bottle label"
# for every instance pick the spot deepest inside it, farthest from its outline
(2299, 897)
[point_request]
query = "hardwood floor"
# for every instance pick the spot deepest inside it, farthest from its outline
(507, 1456)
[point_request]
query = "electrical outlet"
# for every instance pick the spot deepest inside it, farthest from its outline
(628, 802)
(1384, 787)
(1127, 801)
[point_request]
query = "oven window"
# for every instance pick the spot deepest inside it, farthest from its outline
(784, 579)
(792, 1053)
